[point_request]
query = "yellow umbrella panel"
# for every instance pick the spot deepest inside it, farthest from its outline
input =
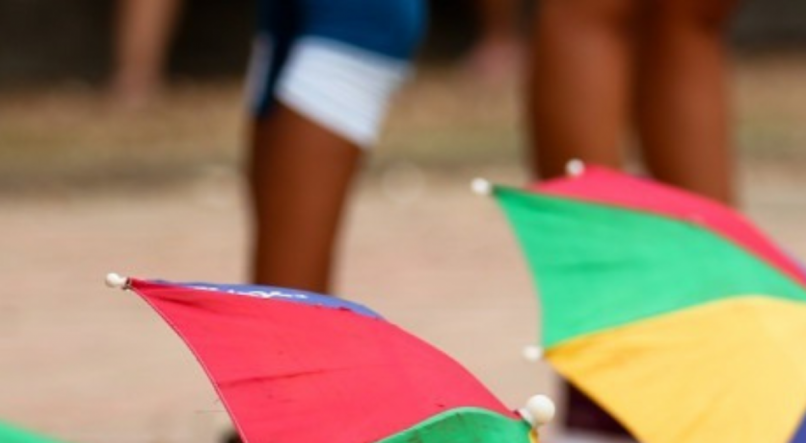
(731, 371)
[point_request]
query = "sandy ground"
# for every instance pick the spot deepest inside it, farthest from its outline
(92, 365)
(88, 364)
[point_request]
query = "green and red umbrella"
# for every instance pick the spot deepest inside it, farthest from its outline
(673, 312)
(292, 366)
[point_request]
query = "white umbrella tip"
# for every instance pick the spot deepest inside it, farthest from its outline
(539, 410)
(532, 353)
(575, 167)
(116, 281)
(481, 186)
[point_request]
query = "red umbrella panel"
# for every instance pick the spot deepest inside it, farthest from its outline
(292, 366)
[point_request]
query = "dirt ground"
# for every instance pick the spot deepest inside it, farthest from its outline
(84, 191)
(89, 364)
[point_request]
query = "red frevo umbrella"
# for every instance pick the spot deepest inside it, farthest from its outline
(296, 367)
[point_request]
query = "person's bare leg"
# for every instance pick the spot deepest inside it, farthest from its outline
(682, 102)
(580, 97)
(143, 35)
(300, 175)
(579, 82)
(497, 53)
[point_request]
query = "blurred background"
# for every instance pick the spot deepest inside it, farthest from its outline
(152, 188)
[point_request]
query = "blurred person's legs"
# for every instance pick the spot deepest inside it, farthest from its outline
(322, 76)
(682, 103)
(497, 54)
(143, 36)
(580, 82)
(601, 60)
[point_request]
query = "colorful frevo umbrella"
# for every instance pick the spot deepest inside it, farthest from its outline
(293, 366)
(11, 434)
(671, 311)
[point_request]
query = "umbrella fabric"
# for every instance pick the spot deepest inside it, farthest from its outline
(671, 311)
(9, 434)
(292, 366)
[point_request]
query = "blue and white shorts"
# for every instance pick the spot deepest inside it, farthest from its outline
(337, 62)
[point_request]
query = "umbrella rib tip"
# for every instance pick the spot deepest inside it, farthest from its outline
(116, 281)
(532, 353)
(481, 186)
(575, 167)
(539, 411)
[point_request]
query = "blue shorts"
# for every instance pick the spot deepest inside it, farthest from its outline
(335, 61)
